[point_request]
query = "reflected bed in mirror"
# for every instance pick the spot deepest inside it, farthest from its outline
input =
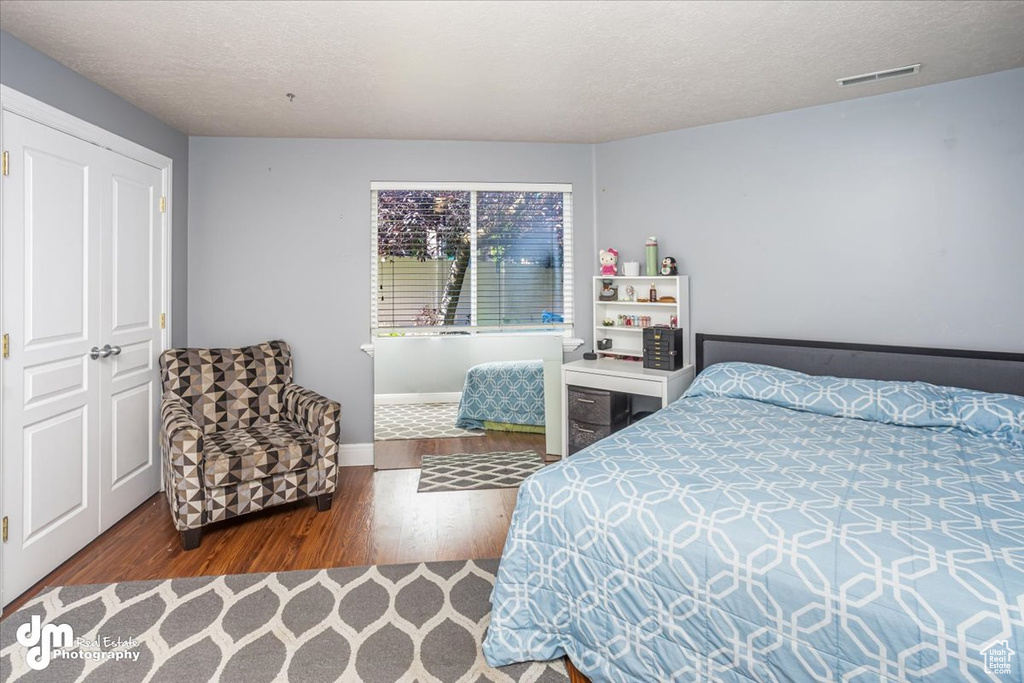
(442, 395)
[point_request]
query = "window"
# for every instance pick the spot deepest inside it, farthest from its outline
(458, 258)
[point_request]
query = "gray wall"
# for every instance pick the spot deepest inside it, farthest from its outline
(894, 219)
(279, 242)
(31, 72)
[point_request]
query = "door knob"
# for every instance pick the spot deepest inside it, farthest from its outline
(114, 350)
(96, 352)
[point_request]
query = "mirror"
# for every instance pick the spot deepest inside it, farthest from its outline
(474, 394)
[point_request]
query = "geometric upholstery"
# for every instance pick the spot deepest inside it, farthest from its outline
(229, 388)
(237, 436)
(263, 449)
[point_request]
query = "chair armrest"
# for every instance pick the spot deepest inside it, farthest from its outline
(181, 439)
(177, 419)
(320, 417)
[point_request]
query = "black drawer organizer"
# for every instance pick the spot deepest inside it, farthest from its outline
(594, 414)
(663, 348)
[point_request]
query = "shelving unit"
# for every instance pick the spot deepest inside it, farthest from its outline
(627, 341)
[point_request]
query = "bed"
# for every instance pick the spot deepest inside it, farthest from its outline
(503, 395)
(772, 525)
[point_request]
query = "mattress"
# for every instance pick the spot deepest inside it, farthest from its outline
(501, 394)
(772, 526)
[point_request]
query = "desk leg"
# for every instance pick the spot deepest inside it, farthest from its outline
(565, 417)
(553, 424)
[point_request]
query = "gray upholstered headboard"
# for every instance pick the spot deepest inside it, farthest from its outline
(982, 370)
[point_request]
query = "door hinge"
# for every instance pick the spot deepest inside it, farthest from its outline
(163, 204)
(7, 345)
(5, 530)
(6, 163)
(163, 321)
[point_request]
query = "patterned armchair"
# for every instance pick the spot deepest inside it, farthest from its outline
(238, 436)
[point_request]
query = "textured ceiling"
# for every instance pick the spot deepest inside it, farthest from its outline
(540, 71)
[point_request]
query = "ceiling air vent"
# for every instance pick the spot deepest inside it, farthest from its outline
(880, 75)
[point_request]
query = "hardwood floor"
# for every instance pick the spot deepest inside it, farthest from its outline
(376, 518)
(409, 452)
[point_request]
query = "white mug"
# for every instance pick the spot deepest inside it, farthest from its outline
(631, 268)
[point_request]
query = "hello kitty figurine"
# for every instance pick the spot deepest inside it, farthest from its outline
(609, 262)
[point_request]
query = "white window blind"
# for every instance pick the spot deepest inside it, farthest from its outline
(458, 258)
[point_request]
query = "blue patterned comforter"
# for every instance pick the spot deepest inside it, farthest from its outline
(505, 391)
(773, 526)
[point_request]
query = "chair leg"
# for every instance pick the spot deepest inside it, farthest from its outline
(190, 538)
(323, 502)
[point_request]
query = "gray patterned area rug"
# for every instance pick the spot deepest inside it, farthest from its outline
(392, 421)
(469, 471)
(381, 624)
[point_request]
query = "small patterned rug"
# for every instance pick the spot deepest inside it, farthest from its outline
(469, 471)
(387, 623)
(393, 421)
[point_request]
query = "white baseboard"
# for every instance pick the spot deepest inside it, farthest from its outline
(355, 454)
(443, 397)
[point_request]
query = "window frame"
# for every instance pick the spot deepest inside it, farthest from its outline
(564, 329)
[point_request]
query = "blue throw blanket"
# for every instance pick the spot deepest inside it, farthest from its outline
(773, 526)
(506, 391)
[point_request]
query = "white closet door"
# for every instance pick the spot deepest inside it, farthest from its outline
(51, 387)
(130, 387)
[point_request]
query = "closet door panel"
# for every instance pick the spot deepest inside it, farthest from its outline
(132, 267)
(51, 386)
(132, 295)
(132, 445)
(57, 233)
(56, 452)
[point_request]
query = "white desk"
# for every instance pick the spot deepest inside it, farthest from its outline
(629, 377)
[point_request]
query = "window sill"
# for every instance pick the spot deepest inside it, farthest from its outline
(569, 344)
